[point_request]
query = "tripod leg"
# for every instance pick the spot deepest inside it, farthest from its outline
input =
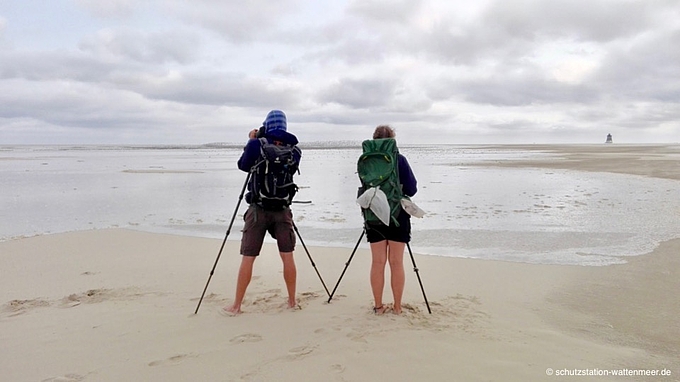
(330, 297)
(310, 259)
(415, 269)
(212, 271)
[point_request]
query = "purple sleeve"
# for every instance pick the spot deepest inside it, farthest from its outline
(408, 181)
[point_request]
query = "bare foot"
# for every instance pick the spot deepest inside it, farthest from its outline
(292, 304)
(380, 310)
(230, 311)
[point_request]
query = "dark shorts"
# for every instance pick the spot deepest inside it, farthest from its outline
(380, 232)
(259, 221)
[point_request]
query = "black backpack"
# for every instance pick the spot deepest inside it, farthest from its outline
(274, 188)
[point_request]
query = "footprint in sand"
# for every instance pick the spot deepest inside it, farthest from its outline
(337, 368)
(91, 296)
(459, 311)
(209, 297)
(248, 337)
(17, 307)
(175, 359)
(308, 296)
(266, 299)
(95, 296)
(66, 378)
(300, 351)
(357, 336)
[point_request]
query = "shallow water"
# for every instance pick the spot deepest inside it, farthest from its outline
(516, 214)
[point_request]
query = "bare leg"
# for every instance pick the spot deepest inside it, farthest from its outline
(245, 273)
(379, 255)
(398, 277)
(289, 276)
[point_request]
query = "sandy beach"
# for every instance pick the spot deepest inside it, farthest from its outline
(118, 305)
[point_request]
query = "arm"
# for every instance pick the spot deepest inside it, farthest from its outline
(409, 184)
(298, 156)
(251, 152)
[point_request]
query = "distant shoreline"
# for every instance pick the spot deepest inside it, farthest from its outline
(344, 144)
(652, 160)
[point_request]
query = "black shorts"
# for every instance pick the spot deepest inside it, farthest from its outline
(380, 232)
(259, 221)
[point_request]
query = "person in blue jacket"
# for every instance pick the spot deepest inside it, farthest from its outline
(388, 242)
(258, 220)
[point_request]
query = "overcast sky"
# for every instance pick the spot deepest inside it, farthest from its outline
(199, 71)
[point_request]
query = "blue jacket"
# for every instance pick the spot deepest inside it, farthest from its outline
(251, 153)
(409, 184)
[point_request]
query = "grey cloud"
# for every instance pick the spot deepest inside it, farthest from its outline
(523, 91)
(109, 8)
(512, 29)
(593, 113)
(347, 116)
(391, 68)
(179, 46)
(359, 93)
(215, 88)
(631, 115)
(514, 126)
(661, 113)
(523, 130)
(465, 48)
(643, 115)
(582, 19)
(647, 69)
(513, 91)
(342, 117)
(236, 21)
(208, 87)
(351, 51)
(74, 105)
(55, 65)
(391, 11)
(349, 41)
(638, 63)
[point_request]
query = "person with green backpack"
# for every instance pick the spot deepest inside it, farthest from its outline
(385, 172)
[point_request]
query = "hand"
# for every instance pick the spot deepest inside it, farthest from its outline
(253, 134)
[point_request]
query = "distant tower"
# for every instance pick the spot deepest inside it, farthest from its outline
(609, 138)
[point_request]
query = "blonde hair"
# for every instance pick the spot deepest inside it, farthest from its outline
(383, 131)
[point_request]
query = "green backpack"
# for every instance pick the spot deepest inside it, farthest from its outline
(377, 167)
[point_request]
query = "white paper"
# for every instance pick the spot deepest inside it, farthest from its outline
(376, 200)
(412, 209)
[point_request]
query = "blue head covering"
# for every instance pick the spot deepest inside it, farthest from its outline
(276, 120)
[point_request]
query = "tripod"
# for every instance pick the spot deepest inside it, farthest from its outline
(310, 259)
(212, 271)
(413, 261)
